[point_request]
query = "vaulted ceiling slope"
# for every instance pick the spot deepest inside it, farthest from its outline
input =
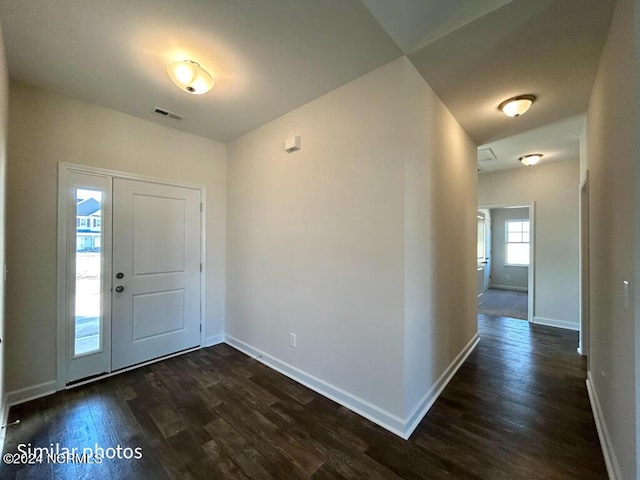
(271, 56)
(549, 48)
(415, 23)
(268, 56)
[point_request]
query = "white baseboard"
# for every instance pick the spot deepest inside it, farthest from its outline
(508, 287)
(425, 404)
(550, 322)
(214, 340)
(386, 420)
(31, 393)
(613, 468)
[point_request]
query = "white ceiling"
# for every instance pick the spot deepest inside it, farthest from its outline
(549, 48)
(415, 23)
(271, 56)
(268, 56)
(556, 141)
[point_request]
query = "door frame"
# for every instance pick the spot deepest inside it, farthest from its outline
(531, 280)
(62, 266)
(583, 344)
(481, 216)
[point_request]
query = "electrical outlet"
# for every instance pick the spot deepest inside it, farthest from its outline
(292, 340)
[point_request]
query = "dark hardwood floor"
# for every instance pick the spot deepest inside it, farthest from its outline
(517, 409)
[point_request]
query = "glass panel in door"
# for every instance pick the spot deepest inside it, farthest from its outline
(88, 274)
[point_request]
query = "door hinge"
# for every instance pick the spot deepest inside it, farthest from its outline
(200, 268)
(200, 328)
(201, 206)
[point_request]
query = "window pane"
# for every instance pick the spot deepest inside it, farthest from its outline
(525, 226)
(518, 254)
(514, 226)
(514, 237)
(525, 237)
(88, 301)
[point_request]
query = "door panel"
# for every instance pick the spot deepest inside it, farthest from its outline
(156, 248)
(158, 313)
(168, 252)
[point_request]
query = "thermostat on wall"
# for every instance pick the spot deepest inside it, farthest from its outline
(292, 144)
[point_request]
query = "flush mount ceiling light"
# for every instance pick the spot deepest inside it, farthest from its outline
(190, 76)
(516, 106)
(530, 159)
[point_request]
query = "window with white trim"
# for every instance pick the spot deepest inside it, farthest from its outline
(517, 242)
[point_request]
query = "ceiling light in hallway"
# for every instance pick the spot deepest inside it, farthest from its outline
(516, 106)
(530, 159)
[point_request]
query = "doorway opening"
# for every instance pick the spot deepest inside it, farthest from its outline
(506, 246)
(583, 346)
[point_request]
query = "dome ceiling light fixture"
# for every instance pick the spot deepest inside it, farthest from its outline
(530, 159)
(190, 77)
(516, 106)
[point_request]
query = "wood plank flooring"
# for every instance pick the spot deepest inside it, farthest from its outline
(517, 409)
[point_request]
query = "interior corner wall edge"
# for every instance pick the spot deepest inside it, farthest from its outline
(440, 242)
(612, 146)
(4, 119)
(554, 188)
(318, 239)
(46, 128)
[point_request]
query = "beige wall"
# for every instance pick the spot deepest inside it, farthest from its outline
(4, 123)
(554, 189)
(440, 240)
(636, 127)
(46, 128)
(503, 275)
(319, 240)
(613, 158)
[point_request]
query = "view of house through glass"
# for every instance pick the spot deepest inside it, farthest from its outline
(517, 242)
(88, 271)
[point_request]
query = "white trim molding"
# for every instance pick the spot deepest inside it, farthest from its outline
(610, 459)
(551, 322)
(507, 287)
(425, 404)
(531, 278)
(387, 420)
(214, 340)
(30, 393)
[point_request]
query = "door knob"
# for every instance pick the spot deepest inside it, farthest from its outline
(119, 289)
(119, 275)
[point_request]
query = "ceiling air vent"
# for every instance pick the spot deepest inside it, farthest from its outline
(486, 155)
(166, 113)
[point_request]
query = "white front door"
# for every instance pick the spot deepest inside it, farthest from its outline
(156, 271)
(129, 271)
